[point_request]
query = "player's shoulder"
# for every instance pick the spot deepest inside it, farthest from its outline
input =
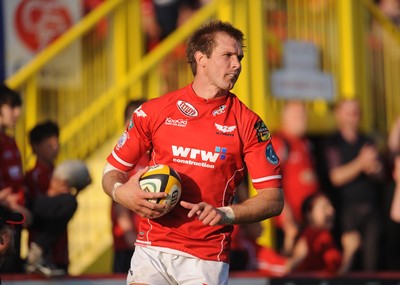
(244, 114)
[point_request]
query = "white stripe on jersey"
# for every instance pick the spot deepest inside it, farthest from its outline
(267, 178)
(120, 160)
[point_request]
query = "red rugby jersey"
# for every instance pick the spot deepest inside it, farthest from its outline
(11, 172)
(208, 142)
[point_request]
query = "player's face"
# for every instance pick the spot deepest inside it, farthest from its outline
(223, 66)
(9, 116)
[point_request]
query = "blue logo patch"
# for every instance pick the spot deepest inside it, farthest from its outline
(222, 151)
(271, 155)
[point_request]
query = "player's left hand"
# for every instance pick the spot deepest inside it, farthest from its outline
(206, 213)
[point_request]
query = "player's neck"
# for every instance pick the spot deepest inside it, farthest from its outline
(207, 92)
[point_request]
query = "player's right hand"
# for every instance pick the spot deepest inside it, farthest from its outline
(134, 198)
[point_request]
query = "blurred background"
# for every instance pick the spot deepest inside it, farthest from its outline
(78, 62)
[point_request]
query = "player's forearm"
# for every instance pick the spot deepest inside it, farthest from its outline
(110, 178)
(266, 204)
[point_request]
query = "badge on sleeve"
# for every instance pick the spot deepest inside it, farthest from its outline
(122, 140)
(271, 155)
(262, 131)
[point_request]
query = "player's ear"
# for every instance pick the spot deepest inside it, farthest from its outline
(200, 58)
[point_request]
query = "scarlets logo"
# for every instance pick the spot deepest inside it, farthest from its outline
(187, 109)
(225, 129)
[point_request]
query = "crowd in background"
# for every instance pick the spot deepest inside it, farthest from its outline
(341, 199)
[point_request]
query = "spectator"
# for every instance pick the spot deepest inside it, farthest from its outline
(298, 168)
(315, 249)
(391, 206)
(44, 140)
(8, 219)
(355, 168)
(11, 172)
(125, 222)
(52, 212)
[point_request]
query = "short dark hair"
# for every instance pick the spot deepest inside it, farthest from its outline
(43, 131)
(9, 97)
(131, 106)
(203, 40)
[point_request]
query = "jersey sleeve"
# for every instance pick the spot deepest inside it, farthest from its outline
(261, 160)
(133, 143)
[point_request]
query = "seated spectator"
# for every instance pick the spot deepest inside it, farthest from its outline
(315, 249)
(52, 212)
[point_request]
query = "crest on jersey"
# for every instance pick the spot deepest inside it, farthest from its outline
(271, 155)
(122, 140)
(220, 110)
(262, 131)
(187, 109)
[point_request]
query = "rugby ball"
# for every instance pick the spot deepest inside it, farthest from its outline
(162, 178)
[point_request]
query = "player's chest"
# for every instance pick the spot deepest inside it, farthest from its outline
(212, 129)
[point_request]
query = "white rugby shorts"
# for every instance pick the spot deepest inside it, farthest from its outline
(151, 266)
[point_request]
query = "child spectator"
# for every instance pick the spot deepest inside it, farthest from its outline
(52, 212)
(315, 249)
(44, 140)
